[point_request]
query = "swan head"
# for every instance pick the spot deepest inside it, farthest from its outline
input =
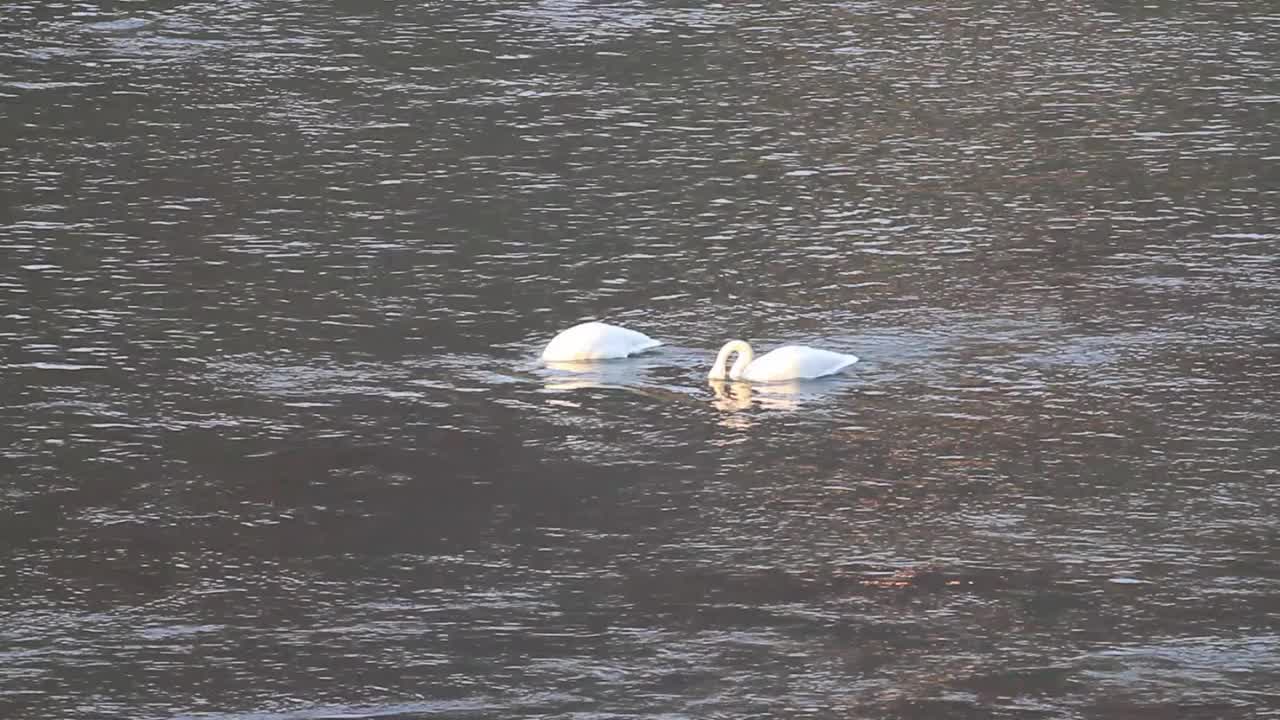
(721, 371)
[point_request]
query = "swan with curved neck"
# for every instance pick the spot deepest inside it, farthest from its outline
(789, 362)
(596, 341)
(720, 370)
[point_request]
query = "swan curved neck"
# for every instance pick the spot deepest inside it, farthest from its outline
(745, 356)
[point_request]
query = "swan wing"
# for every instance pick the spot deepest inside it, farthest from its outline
(793, 362)
(596, 341)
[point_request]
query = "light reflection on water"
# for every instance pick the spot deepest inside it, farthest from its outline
(275, 279)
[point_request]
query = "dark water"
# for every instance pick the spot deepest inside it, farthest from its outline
(275, 276)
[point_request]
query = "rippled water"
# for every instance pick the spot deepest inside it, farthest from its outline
(275, 276)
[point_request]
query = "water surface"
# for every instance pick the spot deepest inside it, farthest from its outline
(274, 279)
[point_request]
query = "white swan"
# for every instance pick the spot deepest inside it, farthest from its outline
(596, 341)
(789, 362)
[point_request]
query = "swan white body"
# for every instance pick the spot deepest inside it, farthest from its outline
(789, 362)
(596, 341)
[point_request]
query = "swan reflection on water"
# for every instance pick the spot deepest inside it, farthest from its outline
(729, 396)
(626, 375)
(575, 375)
(635, 376)
(735, 396)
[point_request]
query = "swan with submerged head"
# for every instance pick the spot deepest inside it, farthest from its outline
(789, 362)
(596, 341)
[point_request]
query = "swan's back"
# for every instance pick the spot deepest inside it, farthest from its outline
(596, 341)
(791, 362)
